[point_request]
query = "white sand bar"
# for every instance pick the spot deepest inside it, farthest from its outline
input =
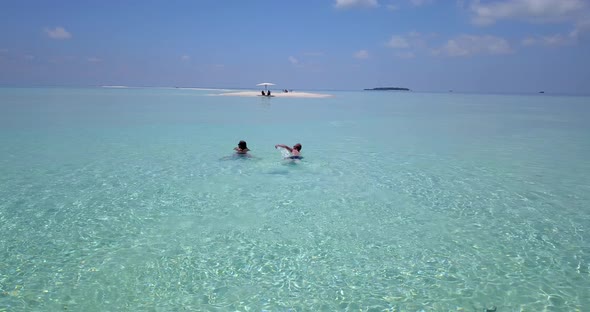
(278, 94)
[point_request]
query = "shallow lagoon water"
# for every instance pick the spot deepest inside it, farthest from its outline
(126, 199)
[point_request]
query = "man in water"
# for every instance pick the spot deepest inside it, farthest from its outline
(295, 150)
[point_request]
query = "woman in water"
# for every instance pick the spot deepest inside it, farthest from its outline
(242, 148)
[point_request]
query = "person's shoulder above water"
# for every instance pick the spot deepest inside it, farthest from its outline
(295, 150)
(242, 148)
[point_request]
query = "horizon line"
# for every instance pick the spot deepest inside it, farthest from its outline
(450, 91)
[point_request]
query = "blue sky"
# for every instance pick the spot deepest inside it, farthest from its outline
(426, 45)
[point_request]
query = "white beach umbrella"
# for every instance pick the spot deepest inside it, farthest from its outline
(266, 84)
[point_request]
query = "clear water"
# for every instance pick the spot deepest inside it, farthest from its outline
(129, 199)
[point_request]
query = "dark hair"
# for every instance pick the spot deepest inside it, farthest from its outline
(242, 145)
(297, 146)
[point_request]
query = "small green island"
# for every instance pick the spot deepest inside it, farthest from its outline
(388, 89)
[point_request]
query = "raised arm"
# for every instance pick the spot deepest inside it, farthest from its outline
(284, 146)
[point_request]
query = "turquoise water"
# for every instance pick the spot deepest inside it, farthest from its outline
(126, 199)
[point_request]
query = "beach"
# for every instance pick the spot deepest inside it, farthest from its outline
(280, 94)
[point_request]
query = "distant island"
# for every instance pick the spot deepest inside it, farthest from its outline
(388, 89)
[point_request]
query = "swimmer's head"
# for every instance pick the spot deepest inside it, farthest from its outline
(297, 146)
(242, 145)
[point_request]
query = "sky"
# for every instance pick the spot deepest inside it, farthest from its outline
(494, 46)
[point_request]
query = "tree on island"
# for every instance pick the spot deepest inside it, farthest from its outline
(388, 89)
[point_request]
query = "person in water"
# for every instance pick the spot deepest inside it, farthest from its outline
(242, 148)
(295, 150)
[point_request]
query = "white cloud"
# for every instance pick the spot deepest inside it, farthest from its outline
(313, 53)
(58, 33)
(185, 58)
(573, 12)
(398, 42)
(467, 45)
(552, 40)
(405, 54)
(343, 4)
(62, 59)
(581, 28)
(529, 41)
(420, 2)
(409, 45)
(293, 60)
(392, 7)
(362, 54)
(410, 40)
(529, 10)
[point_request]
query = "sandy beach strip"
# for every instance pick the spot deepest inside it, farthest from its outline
(278, 94)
